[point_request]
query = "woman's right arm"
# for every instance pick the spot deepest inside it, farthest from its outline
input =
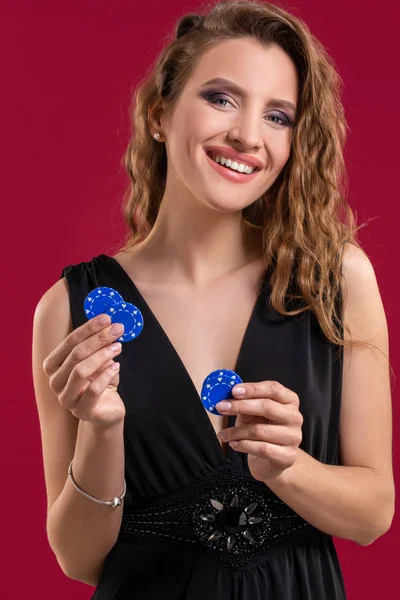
(77, 365)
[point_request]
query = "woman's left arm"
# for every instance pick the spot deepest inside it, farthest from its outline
(354, 500)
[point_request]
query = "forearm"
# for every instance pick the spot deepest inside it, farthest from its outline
(80, 531)
(346, 502)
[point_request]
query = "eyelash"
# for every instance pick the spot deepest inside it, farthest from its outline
(213, 97)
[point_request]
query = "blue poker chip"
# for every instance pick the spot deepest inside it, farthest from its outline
(218, 386)
(99, 300)
(131, 318)
(223, 374)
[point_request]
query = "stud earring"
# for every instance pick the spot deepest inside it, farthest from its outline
(156, 136)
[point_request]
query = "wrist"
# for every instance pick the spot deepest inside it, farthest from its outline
(286, 478)
(103, 430)
(277, 482)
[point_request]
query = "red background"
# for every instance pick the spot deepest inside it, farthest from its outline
(66, 73)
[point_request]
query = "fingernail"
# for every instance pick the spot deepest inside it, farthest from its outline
(223, 406)
(239, 391)
(116, 329)
(103, 319)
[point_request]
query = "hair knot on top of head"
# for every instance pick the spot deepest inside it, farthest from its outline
(189, 22)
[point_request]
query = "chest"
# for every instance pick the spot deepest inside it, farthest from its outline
(206, 329)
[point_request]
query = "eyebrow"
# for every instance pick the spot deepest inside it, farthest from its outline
(235, 88)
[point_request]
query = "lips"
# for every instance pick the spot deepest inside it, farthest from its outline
(228, 152)
(231, 175)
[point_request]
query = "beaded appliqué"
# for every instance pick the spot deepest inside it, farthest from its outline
(231, 517)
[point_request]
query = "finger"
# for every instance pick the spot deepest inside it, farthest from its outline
(86, 371)
(104, 366)
(114, 382)
(265, 389)
(97, 373)
(262, 432)
(57, 357)
(282, 456)
(92, 377)
(87, 404)
(86, 349)
(262, 407)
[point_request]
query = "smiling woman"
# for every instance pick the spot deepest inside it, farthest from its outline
(265, 279)
(263, 100)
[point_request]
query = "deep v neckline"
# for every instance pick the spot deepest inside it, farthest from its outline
(198, 405)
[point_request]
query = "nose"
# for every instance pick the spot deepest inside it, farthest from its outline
(247, 131)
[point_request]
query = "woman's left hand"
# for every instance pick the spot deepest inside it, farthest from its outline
(268, 427)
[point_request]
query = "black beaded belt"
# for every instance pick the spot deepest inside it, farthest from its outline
(229, 515)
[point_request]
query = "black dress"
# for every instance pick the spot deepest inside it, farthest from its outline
(196, 525)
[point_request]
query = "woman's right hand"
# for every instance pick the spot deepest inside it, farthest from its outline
(80, 373)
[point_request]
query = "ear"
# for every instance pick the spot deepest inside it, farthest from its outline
(154, 115)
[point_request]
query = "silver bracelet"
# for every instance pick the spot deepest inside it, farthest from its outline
(113, 503)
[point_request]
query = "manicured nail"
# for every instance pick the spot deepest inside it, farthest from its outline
(223, 406)
(116, 329)
(103, 319)
(239, 391)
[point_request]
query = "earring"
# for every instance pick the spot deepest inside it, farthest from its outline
(156, 136)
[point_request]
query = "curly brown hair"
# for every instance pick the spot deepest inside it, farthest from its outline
(305, 217)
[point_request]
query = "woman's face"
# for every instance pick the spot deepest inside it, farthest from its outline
(254, 120)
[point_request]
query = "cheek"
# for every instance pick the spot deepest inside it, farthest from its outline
(280, 153)
(187, 131)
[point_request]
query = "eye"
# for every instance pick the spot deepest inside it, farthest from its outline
(212, 98)
(283, 120)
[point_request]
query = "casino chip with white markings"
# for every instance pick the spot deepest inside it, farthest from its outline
(109, 301)
(99, 299)
(218, 386)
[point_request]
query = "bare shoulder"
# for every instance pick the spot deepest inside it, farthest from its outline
(355, 262)
(134, 262)
(363, 309)
(52, 320)
(55, 298)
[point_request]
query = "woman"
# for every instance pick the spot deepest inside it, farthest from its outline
(258, 272)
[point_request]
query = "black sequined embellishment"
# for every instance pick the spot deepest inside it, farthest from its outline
(230, 516)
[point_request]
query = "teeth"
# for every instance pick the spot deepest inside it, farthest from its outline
(233, 164)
